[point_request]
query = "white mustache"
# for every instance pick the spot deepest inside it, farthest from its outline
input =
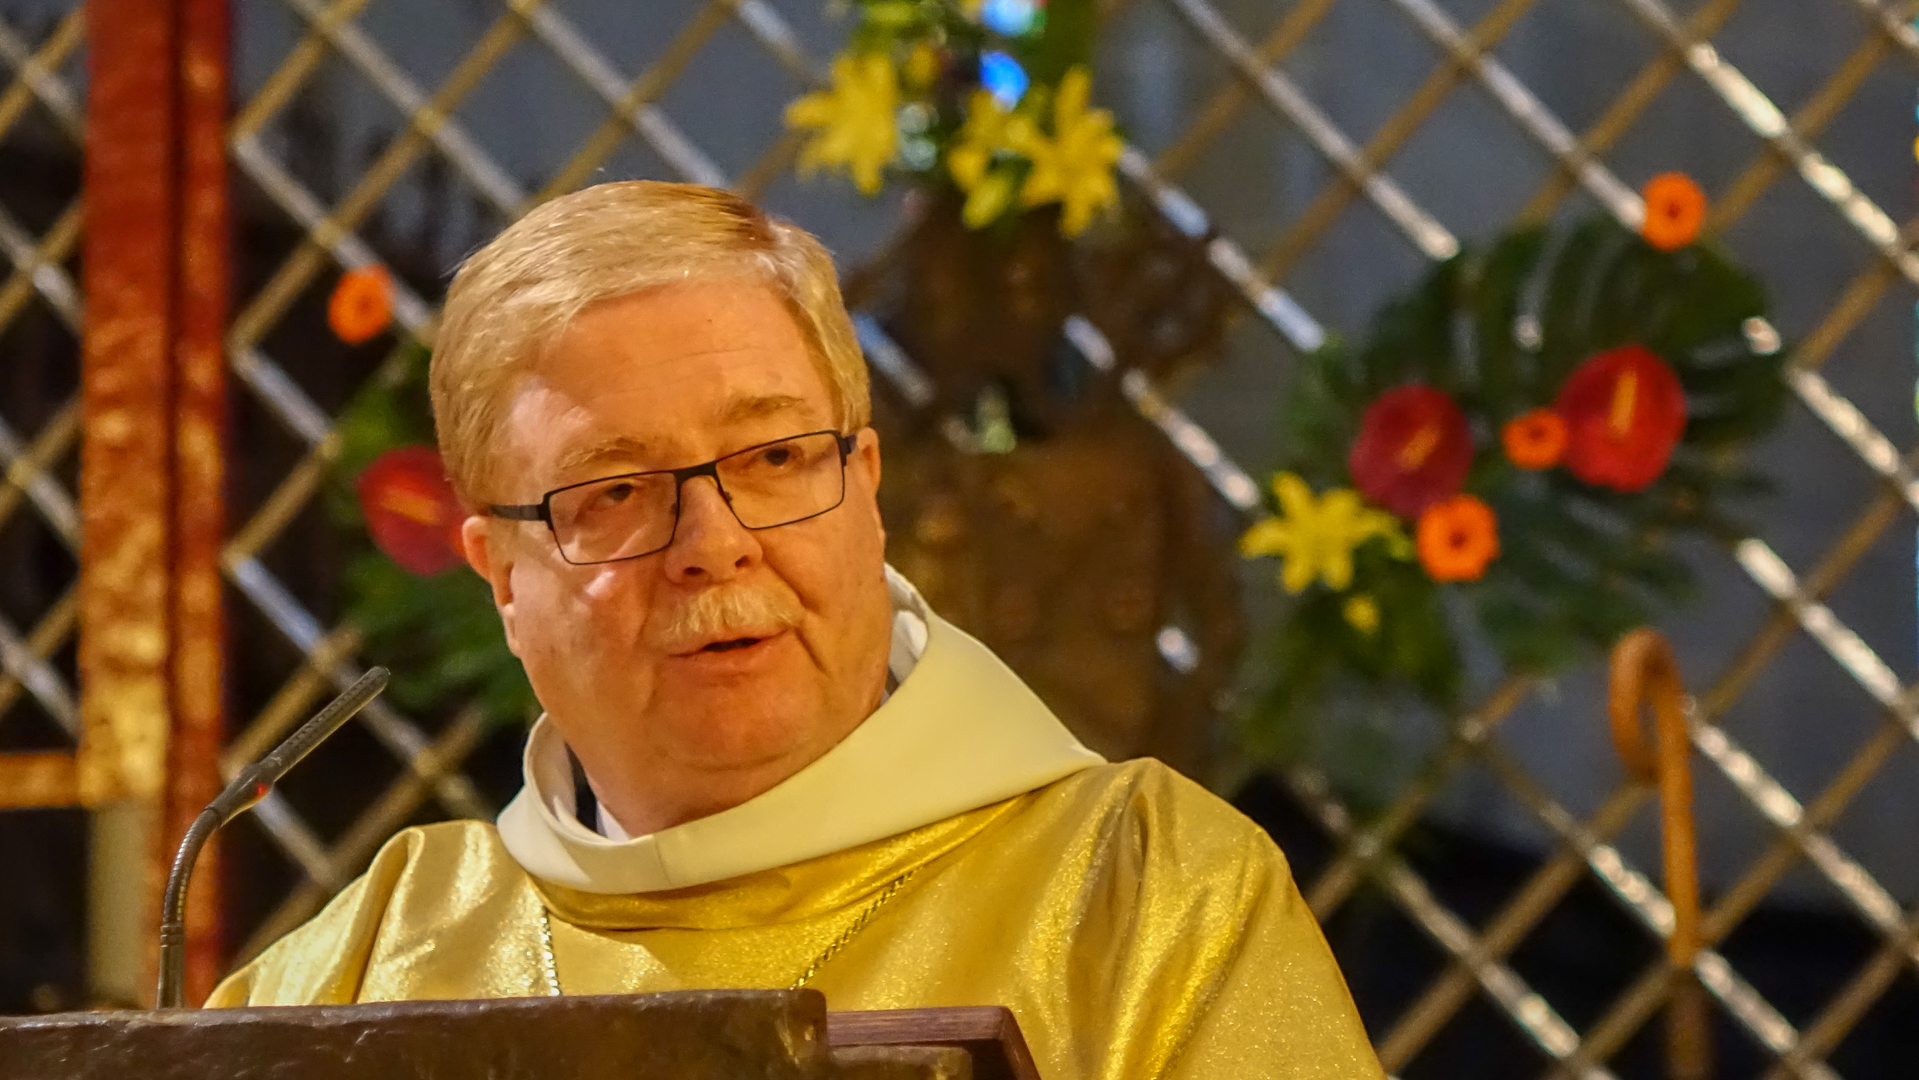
(725, 612)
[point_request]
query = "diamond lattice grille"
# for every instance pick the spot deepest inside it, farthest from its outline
(659, 91)
(41, 115)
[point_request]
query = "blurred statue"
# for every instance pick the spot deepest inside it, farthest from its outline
(1063, 529)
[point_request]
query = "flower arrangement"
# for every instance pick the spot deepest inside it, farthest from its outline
(1509, 457)
(988, 97)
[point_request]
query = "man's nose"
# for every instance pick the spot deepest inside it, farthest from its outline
(709, 543)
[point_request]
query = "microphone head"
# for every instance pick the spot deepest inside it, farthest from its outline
(315, 731)
(253, 783)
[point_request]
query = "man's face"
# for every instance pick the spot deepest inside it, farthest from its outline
(702, 674)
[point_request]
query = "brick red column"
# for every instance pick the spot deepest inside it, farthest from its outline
(155, 274)
(199, 478)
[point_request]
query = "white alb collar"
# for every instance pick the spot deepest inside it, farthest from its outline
(960, 732)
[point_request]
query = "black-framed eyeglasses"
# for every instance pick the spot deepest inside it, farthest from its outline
(634, 514)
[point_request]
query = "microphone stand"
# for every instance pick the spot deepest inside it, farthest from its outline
(242, 794)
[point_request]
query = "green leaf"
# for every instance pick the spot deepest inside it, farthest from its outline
(1495, 310)
(1565, 333)
(440, 635)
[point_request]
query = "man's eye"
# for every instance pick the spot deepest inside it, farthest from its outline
(777, 455)
(613, 495)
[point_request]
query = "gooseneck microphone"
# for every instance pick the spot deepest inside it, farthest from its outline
(247, 789)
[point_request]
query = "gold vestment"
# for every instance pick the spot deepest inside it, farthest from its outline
(1138, 926)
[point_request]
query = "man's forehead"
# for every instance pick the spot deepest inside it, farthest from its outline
(665, 379)
(684, 347)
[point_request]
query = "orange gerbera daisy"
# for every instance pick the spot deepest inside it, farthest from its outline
(1457, 538)
(1534, 440)
(1675, 209)
(361, 305)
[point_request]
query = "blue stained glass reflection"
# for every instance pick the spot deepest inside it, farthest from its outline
(1009, 17)
(1002, 75)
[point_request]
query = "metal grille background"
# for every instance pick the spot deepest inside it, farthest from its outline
(41, 116)
(404, 132)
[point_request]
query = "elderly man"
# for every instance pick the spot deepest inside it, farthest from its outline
(764, 762)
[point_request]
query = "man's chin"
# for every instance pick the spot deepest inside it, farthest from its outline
(749, 741)
(741, 722)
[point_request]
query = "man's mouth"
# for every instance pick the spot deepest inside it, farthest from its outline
(733, 643)
(729, 646)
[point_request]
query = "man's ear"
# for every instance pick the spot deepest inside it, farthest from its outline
(867, 453)
(487, 552)
(477, 543)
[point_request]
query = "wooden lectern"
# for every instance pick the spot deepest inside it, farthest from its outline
(689, 1035)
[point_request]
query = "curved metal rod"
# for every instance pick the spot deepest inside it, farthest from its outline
(1644, 672)
(241, 794)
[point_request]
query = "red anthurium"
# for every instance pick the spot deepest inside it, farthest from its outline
(411, 510)
(1624, 412)
(1413, 450)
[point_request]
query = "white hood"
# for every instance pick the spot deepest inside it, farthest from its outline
(960, 732)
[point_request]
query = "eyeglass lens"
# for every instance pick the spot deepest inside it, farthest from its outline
(624, 517)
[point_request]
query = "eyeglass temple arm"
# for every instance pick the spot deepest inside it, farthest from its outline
(519, 512)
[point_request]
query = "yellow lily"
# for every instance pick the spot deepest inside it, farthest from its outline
(1075, 166)
(989, 129)
(1362, 614)
(973, 145)
(854, 118)
(1315, 536)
